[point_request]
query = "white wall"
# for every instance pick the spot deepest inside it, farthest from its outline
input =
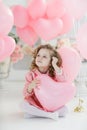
(15, 2)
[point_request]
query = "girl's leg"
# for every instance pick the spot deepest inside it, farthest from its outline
(62, 111)
(26, 115)
(31, 110)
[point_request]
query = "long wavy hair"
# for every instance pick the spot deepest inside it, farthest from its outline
(53, 53)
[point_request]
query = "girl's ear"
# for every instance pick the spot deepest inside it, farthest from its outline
(28, 50)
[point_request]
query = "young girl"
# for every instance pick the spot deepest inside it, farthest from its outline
(45, 61)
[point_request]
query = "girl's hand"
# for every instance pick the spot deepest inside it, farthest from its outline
(54, 61)
(34, 83)
(55, 66)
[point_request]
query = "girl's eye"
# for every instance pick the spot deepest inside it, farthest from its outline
(44, 57)
(38, 55)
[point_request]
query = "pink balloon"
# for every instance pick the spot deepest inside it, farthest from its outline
(67, 23)
(52, 95)
(82, 40)
(20, 16)
(9, 46)
(77, 8)
(37, 8)
(28, 35)
(55, 8)
(6, 19)
(47, 29)
(71, 62)
(1, 45)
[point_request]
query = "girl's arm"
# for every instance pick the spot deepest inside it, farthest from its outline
(60, 75)
(28, 80)
(31, 83)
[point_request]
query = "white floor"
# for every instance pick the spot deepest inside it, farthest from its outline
(11, 115)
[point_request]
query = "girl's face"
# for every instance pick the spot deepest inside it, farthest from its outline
(43, 58)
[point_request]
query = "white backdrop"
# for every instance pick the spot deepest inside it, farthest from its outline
(15, 2)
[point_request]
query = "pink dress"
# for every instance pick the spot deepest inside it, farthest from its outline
(30, 97)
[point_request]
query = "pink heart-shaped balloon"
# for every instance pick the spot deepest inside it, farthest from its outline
(71, 62)
(68, 22)
(76, 8)
(55, 8)
(53, 95)
(28, 35)
(1, 46)
(6, 19)
(82, 40)
(20, 16)
(48, 29)
(37, 8)
(9, 46)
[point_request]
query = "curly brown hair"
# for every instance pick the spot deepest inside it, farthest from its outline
(53, 53)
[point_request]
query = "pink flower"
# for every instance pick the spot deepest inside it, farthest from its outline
(17, 54)
(18, 48)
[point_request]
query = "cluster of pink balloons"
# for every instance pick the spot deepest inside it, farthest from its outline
(7, 44)
(46, 19)
(41, 19)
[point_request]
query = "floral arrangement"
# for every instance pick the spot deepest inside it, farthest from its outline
(17, 53)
